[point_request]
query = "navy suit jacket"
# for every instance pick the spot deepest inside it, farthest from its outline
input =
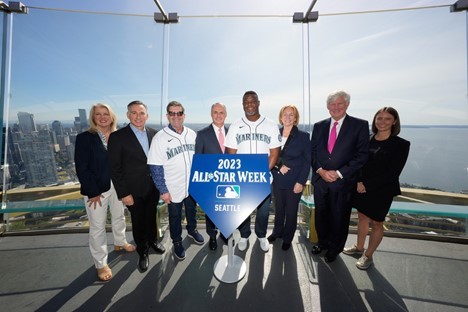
(207, 141)
(296, 156)
(348, 156)
(92, 164)
(128, 163)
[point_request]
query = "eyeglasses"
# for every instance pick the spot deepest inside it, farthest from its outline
(176, 114)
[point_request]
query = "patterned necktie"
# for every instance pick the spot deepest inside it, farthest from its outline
(332, 139)
(221, 139)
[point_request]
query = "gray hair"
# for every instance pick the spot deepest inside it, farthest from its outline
(332, 97)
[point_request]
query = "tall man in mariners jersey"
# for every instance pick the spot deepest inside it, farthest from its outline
(254, 134)
(170, 160)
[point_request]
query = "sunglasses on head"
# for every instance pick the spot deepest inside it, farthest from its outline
(175, 113)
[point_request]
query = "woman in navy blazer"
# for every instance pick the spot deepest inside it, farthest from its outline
(289, 175)
(92, 168)
(378, 182)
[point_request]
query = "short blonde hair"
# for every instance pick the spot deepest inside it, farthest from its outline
(296, 113)
(92, 124)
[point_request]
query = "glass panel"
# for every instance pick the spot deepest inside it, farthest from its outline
(62, 64)
(218, 59)
(414, 61)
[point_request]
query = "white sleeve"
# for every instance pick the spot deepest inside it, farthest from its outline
(155, 153)
(275, 137)
(230, 140)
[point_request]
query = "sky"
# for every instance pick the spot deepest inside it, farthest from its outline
(414, 60)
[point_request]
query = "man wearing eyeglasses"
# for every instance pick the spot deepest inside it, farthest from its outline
(170, 161)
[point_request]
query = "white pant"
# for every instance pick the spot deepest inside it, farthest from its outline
(97, 225)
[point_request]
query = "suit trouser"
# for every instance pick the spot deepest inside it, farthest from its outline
(97, 226)
(261, 220)
(332, 213)
(143, 214)
(286, 206)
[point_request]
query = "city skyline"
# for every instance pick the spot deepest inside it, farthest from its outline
(381, 58)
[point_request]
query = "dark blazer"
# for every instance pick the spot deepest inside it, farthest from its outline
(382, 171)
(128, 163)
(296, 156)
(92, 164)
(349, 155)
(207, 141)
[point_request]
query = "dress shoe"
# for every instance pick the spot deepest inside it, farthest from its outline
(271, 238)
(213, 244)
(286, 246)
(316, 249)
(224, 239)
(143, 263)
(158, 247)
(330, 257)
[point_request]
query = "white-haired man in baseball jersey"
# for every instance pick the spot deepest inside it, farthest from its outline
(170, 161)
(254, 134)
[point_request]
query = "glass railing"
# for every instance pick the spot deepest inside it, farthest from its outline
(413, 60)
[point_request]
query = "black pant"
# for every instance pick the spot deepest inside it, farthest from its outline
(332, 213)
(143, 213)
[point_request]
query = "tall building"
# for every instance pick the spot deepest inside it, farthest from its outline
(39, 160)
(57, 127)
(26, 122)
(83, 119)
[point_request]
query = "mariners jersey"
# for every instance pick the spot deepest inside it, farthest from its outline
(174, 152)
(257, 137)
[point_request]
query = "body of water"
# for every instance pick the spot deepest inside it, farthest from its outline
(438, 157)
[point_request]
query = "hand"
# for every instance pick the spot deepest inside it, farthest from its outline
(95, 200)
(361, 188)
(298, 187)
(328, 175)
(166, 197)
(128, 200)
(284, 169)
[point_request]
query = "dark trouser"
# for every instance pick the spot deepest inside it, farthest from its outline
(332, 213)
(286, 206)
(175, 218)
(143, 213)
(261, 221)
(210, 227)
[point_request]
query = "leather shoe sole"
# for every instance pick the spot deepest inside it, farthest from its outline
(143, 263)
(158, 247)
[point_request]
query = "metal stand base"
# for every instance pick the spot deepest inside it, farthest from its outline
(230, 268)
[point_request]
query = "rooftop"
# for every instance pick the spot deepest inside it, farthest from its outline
(56, 273)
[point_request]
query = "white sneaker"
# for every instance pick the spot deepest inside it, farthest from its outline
(364, 263)
(264, 243)
(242, 244)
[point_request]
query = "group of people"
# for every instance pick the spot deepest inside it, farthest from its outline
(136, 166)
(351, 169)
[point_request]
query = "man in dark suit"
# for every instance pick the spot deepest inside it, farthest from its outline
(340, 146)
(210, 140)
(128, 149)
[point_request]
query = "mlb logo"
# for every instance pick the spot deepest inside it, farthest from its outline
(228, 191)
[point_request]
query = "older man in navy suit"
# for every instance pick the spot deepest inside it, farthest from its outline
(340, 147)
(128, 149)
(210, 140)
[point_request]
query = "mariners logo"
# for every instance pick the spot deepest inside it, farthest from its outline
(228, 191)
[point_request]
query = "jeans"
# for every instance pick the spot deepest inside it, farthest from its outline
(175, 218)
